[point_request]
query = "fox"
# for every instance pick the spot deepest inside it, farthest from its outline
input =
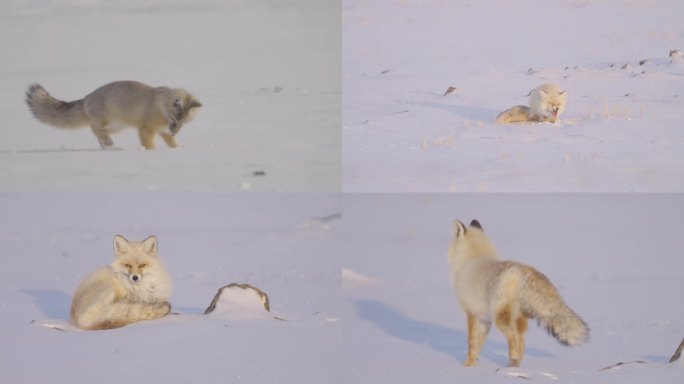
(118, 105)
(134, 287)
(507, 292)
(547, 103)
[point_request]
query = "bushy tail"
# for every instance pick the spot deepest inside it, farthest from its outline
(542, 302)
(117, 314)
(60, 114)
(517, 114)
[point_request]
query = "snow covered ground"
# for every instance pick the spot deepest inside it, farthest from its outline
(367, 296)
(616, 260)
(267, 73)
(621, 130)
(285, 245)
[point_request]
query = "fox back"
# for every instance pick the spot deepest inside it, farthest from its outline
(130, 103)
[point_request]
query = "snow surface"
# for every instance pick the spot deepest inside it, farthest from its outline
(267, 73)
(285, 245)
(615, 259)
(622, 130)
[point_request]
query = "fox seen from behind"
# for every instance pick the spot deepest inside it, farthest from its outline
(508, 293)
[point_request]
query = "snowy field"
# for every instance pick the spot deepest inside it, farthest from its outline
(285, 245)
(621, 130)
(267, 74)
(616, 260)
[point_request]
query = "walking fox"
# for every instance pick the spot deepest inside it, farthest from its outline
(134, 287)
(547, 103)
(118, 105)
(507, 292)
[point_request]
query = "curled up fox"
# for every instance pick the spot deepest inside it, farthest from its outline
(508, 293)
(134, 287)
(118, 105)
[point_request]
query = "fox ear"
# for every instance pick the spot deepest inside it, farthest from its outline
(149, 245)
(120, 245)
(543, 94)
(476, 224)
(561, 93)
(195, 104)
(459, 229)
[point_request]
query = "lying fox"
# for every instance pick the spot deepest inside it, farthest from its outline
(547, 103)
(507, 292)
(134, 287)
(118, 105)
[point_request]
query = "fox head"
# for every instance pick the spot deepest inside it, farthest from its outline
(181, 107)
(469, 242)
(133, 259)
(549, 100)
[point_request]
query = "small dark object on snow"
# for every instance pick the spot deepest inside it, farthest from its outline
(621, 363)
(259, 173)
(450, 90)
(678, 352)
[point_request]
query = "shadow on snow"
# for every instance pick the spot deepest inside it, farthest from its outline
(446, 340)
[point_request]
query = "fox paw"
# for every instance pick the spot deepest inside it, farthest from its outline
(164, 308)
(470, 362)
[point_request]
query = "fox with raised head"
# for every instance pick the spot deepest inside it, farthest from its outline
(118, 105)
(547, 103)
(134, 287)
(508, 293)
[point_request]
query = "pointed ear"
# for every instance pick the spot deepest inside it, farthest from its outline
(476, 224)
(195, 104)
(149, 245)
(543, 94)
(562, 93)
(459, 229)
(120, 245)
(530, 92)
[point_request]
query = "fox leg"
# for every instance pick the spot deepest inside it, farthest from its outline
(513, 325)
(102, 135)
(521, 328)
(477, 332)
(146, 137)
(170, 139)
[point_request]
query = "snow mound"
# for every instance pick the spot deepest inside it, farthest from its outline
(240, 302)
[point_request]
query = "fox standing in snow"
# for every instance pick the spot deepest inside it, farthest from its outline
(118, 105)
(134, 287)
(507, 292)
(547, 103)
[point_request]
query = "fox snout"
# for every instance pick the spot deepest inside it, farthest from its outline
(174, 127)
(135, 278)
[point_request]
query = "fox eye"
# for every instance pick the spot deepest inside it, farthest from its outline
(142, 265)
(177, 103)
(127, 265)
